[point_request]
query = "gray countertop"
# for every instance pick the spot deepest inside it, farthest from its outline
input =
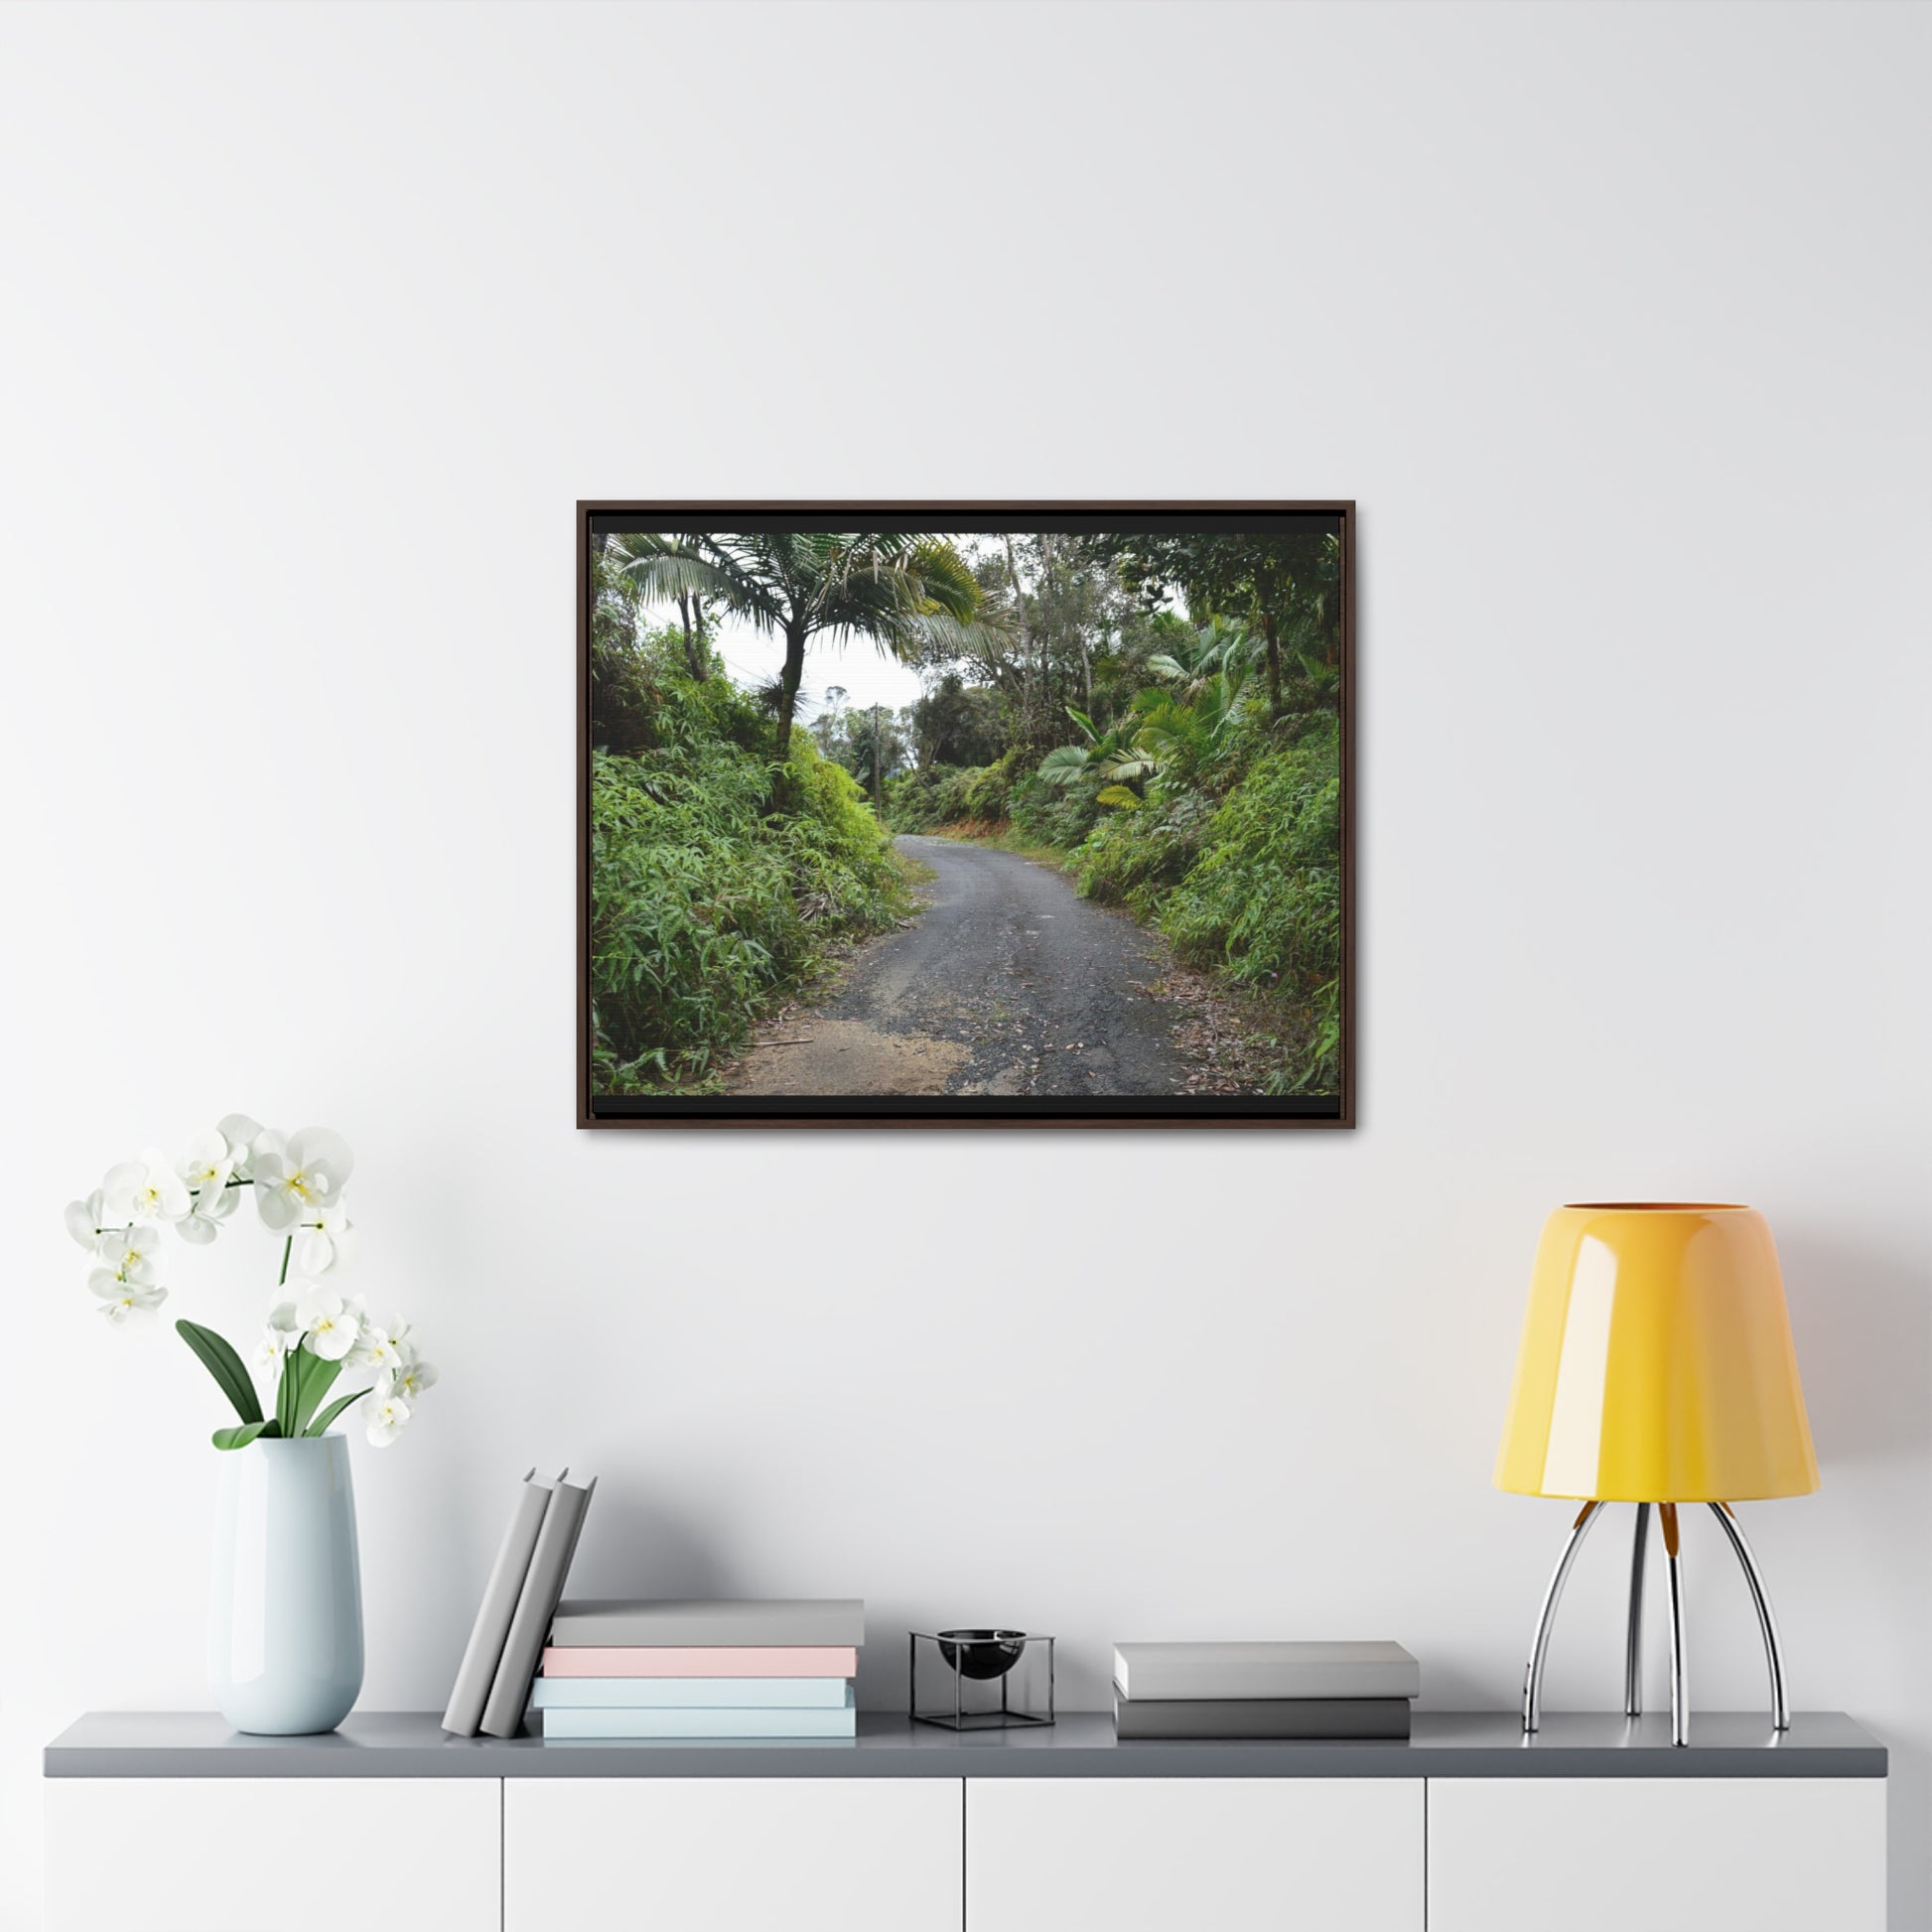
(1445, 1745)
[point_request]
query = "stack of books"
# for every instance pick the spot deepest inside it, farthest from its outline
(625, 1669)
(1264, 1689)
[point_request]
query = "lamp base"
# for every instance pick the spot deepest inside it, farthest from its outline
(1680, 1704)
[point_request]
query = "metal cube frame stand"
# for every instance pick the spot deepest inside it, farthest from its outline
(959, 1717)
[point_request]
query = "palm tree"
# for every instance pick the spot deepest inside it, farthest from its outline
(899, 590)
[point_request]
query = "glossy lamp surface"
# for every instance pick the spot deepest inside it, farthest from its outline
(1656, 1362)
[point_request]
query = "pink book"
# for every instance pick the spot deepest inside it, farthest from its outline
(733, 1660)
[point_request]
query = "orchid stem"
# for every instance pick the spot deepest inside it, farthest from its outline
(288, 1248)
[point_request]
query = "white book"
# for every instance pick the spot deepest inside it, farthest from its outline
(692, 1692)
(1151, 1672)
(484, 1650)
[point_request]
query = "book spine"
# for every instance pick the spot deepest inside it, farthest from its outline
(1158, 1680)
(542, 1588)
(698, 1725)
(484, 1650)
(692, 1692)
(745, 1660)
(782, 1627)
(1276, 1718)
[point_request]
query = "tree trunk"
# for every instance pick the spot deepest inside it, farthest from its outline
(788, 682)
(1272, 631)
(693, 653)
(877, 769)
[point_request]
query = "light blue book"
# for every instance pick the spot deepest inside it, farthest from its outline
(691, 1693)
(619, 1723)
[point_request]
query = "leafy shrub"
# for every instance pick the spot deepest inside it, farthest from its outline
(1050, 814)
(701, 904)
(1134, 858)
(1264, 900)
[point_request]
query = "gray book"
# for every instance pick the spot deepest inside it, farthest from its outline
(536, 1603)
(484, 1650)
(1278, 1718)
(1159, 1671)
(645, 1622)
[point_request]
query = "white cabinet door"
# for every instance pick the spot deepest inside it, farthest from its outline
(731, 1855)
(271, 1855)
(1670, 1854)
(1185, 1854)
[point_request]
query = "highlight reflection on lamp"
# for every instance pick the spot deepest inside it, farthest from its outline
(1656, 1367)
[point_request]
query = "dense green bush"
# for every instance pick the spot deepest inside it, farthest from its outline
(1050, 814)
(703, 903)
(1264, 899)
(921, 800)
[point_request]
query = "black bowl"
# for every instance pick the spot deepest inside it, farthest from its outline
(980, 1654)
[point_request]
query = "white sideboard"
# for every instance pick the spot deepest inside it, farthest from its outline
(172, 1822)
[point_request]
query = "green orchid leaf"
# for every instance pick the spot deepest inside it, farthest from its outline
(319, 1427)
(317, 1376)
(287, 1390)
(241, 1435)
(222, 1362)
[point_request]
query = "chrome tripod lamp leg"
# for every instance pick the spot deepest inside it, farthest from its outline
(1767, 1623)
(1679, 1694)
(1540, 1643)
(1633, 1639)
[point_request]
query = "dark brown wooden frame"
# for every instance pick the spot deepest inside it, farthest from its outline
(849, 514)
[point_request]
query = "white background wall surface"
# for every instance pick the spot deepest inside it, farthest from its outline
(312, 324)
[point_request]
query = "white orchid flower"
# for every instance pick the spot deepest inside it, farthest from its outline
(241, 1134)
(331, 1326)
(132, 1253)
(204, 1219)
(147, 1189)
(375, 1349)
(283, 1333)
(84, 1218)
(120, 1298)
(295, 1179)
(388, 1416)
(410, 1379)
(326, 1242)
(208, 1164)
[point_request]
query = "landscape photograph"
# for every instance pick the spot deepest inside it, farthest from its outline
(1026, 815)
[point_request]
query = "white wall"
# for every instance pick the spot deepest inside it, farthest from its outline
(312, 324)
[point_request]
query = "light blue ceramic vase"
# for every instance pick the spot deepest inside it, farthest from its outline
(285, 1635)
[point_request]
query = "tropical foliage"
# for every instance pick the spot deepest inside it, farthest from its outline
(718, 877)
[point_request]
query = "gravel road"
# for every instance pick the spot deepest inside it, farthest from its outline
(1008, 984)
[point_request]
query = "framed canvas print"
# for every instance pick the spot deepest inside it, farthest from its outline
(1025, 815)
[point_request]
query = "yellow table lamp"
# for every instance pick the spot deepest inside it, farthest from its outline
(1656, 1366)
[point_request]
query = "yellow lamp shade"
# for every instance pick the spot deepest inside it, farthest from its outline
(1656, 1364)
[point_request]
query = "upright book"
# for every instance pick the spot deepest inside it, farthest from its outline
(484, 1650)
(1157, 1671)
(536, 1603)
